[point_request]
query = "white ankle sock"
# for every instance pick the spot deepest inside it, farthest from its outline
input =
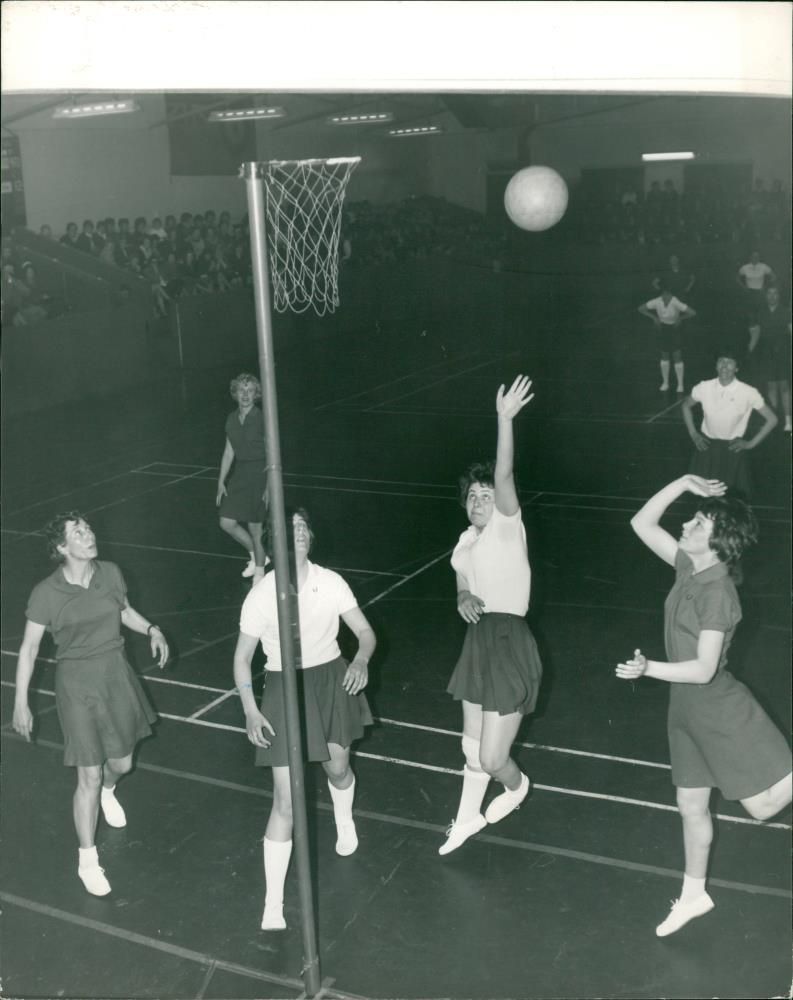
(692, 887)
(342, 802)
(474, 787)
(276, 862)
(88, 857)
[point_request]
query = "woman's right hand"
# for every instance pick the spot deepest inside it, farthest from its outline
(699, 442)
(704, 487)
(23, 720)
(221, 493)
(255, 724)
(469, 606)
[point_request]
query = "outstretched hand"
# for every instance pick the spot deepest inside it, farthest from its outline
(634, 668)
(510, 402)
(704, 487)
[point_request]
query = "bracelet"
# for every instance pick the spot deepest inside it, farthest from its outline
(241, 686)
(148, 630)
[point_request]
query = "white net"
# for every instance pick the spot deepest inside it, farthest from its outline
(304, 201)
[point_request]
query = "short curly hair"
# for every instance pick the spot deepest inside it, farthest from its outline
(245, 378)
(55, 532)
(477, 472)
(734, 527)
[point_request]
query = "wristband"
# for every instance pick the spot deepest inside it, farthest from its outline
(148, 630)
(241, 686)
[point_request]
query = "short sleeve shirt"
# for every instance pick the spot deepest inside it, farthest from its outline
(495, 563)
(705, 601)
(726, 408)
(85, 622)
(755, 274)
(668, 312)
(322, 599)
(247, 438)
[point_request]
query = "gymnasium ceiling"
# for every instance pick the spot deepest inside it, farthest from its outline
(470, 111)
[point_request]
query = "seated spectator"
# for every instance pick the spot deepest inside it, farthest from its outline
(157, 229)
(45, 232)
(123, 229)
(70, 237)
(85, 241)
(111, 233)
(122, 252)
(139, 231)
(209, 218)
(100, 238)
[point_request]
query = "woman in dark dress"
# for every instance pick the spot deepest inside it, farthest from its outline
(101, 706)
(719, 736)
(242, 497)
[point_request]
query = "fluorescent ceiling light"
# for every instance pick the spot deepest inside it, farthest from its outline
(245, 114)
(647, 157)
(380, 116)
(95, 108)
(416, 130)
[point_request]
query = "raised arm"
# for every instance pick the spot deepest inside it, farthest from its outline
(646, 521)
(509, 403)
(28, 651)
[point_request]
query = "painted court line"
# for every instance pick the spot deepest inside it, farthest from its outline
(385, 385)
(431, 385)
(399, 583)
(530, 746)
(136, 496)
(434, 828)
(156, 944)
(671, 406)
(213, 704)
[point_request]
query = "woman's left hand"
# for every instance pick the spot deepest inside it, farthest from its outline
(509, 402)
(634, 668)
(159, 647)
(357, 677)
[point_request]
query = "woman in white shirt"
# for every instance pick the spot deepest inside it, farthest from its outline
(497, 676)
(667, 313)
(333, 708)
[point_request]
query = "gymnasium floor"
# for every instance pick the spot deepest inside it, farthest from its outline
(561, 898)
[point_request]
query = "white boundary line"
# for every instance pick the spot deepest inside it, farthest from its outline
(429, 385)
(384, 385)
(399, 583)
(667, 409)
(401, 762)
(530, 746)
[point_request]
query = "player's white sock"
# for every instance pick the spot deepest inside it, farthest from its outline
(276, 862)
(342, 802)
(473, 793)
(692, 887)
(679, 370)
(665, 369)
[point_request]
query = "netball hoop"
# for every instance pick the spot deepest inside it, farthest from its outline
(299, 221)
(303, 208)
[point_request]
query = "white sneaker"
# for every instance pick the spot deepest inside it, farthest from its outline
(458, 833)
(112, 809)
(273, 918)
(663, 387)
(346, 839)
(250, 569)
(681, 913)
(94, 880)
(507, 802)
(788, 425)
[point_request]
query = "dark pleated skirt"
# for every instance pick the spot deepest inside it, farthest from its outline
(327, 713)
(718, 462)
(244, 490)
(499, 667)
(102, 709)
